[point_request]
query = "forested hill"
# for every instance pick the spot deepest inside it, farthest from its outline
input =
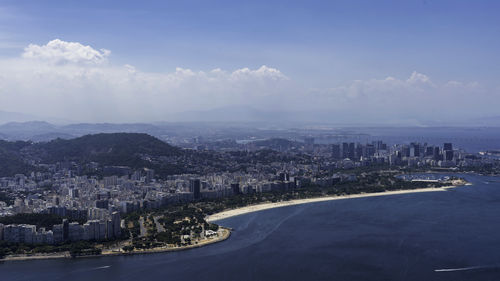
(106, 149)
(11, 162)
(117, 149)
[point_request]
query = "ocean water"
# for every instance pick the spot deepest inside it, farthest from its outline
(452, 235)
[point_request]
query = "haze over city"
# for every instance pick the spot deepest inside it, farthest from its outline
(249, 140)
(348, 62)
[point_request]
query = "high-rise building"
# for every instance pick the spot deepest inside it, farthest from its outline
(437, 154)
(359, 151)
(414, 150)
(75, 231)
(429, 151)
(57, 230)
(150, 175)
(194, 187)
(370, 150)
(102, 204)
(448, 146)
(448, 155)
(345, 150)
(235, 187)
(116, 220)
(335, 151)
(65, 229)
(352, 151)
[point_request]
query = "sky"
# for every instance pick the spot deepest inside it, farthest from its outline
(385, 62)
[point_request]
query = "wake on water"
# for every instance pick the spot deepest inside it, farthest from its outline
(103, 267)
(466, 268)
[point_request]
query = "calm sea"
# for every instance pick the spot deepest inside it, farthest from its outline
(452, 235)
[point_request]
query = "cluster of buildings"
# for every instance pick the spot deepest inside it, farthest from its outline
(413, 154)
(96, 230)
(63, 191)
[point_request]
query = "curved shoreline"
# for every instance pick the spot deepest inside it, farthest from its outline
(265, 206)
(226, 233)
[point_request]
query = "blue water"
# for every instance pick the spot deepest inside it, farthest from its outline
(452, 235)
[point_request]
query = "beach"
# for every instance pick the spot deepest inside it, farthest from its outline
(265, 206)
(224, 233)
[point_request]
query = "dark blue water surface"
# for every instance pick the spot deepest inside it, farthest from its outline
(452, 235)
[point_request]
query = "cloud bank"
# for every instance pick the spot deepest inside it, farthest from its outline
(77, 82)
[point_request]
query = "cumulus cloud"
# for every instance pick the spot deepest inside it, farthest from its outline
(76, 82)
(72, 81)
(58, 51)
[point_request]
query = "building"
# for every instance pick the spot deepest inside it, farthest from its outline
(336, 151)
(235, 187)
(102, 204)
(447, 146)
(75, 232)
(57, 230)
(345, 150)
(194, 187)
(116, 222)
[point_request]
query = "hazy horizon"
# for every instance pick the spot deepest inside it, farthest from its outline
(417, 63)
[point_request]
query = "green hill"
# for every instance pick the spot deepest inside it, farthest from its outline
(11, 162)
(107, 149)
(117, 149)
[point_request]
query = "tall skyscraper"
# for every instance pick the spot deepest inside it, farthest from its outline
(336, 151)
(345, 150)
(65, 229)
(116, 220)
(194, 187)
(352, 151)
(436, 155)
(448, 146)
(414, 150)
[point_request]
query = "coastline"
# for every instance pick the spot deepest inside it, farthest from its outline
(266, 206)
(225, 234)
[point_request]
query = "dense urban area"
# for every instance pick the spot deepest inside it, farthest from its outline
(126, 192)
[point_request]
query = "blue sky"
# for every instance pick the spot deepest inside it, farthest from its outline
(317, 44)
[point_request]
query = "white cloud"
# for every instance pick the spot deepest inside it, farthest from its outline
(58, 51)
(416, 97)
(419, 78)
(70, 80)
(73, 81)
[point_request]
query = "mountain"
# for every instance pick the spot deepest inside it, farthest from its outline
(90, 128)
(38, 131)
(46, 137)
(6, 117)
(26, 130)
(107, 149)
(32, 126)
(277, 144)
(117, 149)
(11, 162)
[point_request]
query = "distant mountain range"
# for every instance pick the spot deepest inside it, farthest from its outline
(40, 131)
(18, 126)
(8, 116)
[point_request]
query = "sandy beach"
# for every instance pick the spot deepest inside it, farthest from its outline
(265, 206)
